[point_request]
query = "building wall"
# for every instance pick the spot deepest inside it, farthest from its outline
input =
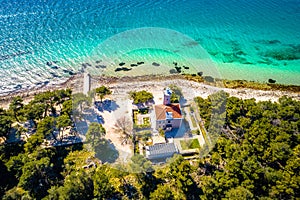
(160, 124)
(176, 123)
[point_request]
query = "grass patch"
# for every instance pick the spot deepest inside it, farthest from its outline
(193, 121)
(189, 144)
(143, 111)
(146, 120)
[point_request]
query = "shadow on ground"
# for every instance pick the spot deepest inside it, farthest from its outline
(178, 132)
(106, 151)
(106, 105)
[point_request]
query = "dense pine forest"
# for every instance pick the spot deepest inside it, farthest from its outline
(256, 155)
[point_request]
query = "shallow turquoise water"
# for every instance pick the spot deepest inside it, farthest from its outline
(253, 40)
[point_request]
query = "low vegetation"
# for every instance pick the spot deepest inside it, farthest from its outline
(242, 83)
(102, 92)
(259, 86)
(190, 144)
(140, 96)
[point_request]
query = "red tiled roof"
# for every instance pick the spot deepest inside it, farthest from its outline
(160, 111)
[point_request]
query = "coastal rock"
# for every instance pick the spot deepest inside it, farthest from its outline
(185, 67)
(173, 71)
(122, 69)
(133, 65)
(55, 75)
(98, 61)
(271, 81)
(121, 64)
(18, 87)
(200, 73)
(126, 69)
(71, 73)
(140, 63)
(100, 66)
(155, 64)
(49, 63)
(54, 67)
(178, 69)
(209, 79)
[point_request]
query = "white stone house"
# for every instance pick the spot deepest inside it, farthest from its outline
(168, 115)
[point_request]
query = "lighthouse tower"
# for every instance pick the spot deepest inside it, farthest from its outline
(167, 96)
(86, 83)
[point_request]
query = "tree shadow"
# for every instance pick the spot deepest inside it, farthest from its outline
(87, 116)
(106, 151)
(150, 183)
(100, 119)
(147, 104)
(106, 105)
(81, 126)
(182, 101)
(13, 136)
(130, 191)
(113, 106)
(178, 132)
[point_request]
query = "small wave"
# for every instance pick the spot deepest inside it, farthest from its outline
(16, 15)
(19, 53)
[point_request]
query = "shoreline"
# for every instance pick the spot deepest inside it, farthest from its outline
(76, 84)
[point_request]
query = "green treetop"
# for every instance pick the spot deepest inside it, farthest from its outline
(140, 96)
(16, 106)
(95, 133)
(102, 92)
(5, 123)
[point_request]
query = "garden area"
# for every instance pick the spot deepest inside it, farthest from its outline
(190, 144)
(141, 118)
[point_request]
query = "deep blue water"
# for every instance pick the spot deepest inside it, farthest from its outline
(253, 39)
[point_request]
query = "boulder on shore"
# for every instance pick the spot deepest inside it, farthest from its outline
(200, 73)
(54, 67)
(209, 79)
(155, 64)
(122, 69)
(271, 81)
(178, 69)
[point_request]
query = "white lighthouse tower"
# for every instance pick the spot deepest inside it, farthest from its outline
(86, 83)
(167, 96)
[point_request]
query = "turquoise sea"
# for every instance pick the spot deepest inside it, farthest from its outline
(244, 39)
